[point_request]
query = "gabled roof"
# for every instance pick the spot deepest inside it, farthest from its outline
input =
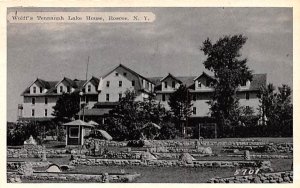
(129, 70)
(95, 81)
(170, 75)
(78, 122)
(204, 74)
(46, 84)
(185, 80)
(51, 86)
(69, 81)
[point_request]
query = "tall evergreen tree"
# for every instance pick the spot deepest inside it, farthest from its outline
(67, 106)
(180, 104)
(231, 71)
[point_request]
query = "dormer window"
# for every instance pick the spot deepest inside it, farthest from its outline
(61, 89)
(173, 84)
(133, 83)
(89, 88)
(166, 84)
(68, 89)
(41, 90)
(199, 84)
(244, 83)
(34, 89)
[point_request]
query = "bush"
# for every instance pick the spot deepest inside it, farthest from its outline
(22, 131)
(136, 143)
(168, 131)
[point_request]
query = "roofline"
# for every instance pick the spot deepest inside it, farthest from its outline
(90, 80)
(128, 69)
(169, 74)
(60, 81)
(204, 73)
(37, 79)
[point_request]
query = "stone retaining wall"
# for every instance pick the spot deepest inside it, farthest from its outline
(72, 177)
(35, 151)
(83, 160)
(89, 143)
(264, 156)
(14, 165)
(278, 177)
(281, 148)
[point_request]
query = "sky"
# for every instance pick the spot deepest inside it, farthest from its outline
(170, 44)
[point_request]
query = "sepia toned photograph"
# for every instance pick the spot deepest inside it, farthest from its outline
(149, 95)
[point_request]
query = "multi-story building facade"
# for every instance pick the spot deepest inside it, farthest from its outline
(102, 94)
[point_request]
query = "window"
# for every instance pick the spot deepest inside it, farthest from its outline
(173, 84)
(194, 110)
(89, 88)
(247, 96)
(61, 89)
(107, 97)
(34, 89)
(46, 112)
(163, 97)
(243, 83)
(248, 108)
(107, 83)
(86, 99)
(194, 96)
(74, 132)
(120, 96)
(120, 83)
(199, 84)
(41, 90)
(125, 74)
(32, 112)
(33, 101)
(166, 84)
(133, 83)
(46, 100)
(68, 89)
(117, 74)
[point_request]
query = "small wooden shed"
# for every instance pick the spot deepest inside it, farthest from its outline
(76, 130)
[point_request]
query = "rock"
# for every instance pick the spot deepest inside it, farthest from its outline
(256, 180)
(186, 157)
(30, 141)
(286, 179)
(53, 168)
(25, 169)
(247, 155)
(147, 156)
(18, 180)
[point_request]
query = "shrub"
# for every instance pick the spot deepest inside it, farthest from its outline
(136, 143)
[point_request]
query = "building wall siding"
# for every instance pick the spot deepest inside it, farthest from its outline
(39, 106)
(114, 90)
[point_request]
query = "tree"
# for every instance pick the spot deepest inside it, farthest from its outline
(22, 131)
(276, 106)
(231, 71)
(180, 104)
(267, 99)
(129, 118)
(67, 106)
